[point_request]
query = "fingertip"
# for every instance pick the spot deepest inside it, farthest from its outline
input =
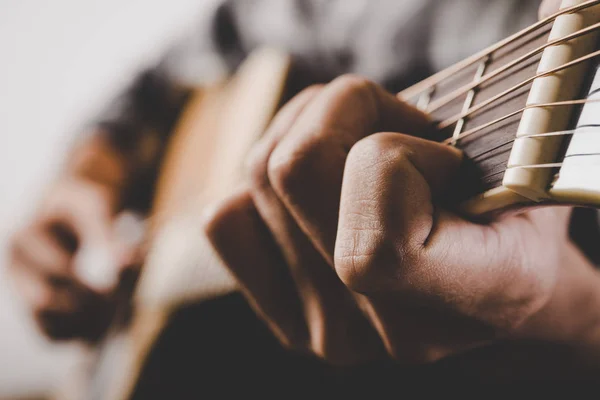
(548, 7)
(222, 218)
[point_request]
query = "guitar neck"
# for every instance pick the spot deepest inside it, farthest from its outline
(528, 84)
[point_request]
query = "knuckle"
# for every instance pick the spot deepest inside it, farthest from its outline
(353, 85)
(379, 148)
(310, 90)
(257, 163)
(283, 169)
(364, 264)
(373, 260)
(356, 93)
(218, 219)
(257, 167)
(212, 217)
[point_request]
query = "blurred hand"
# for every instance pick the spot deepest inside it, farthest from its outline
(76, 217)
(342, 244)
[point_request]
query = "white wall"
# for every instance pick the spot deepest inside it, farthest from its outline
(59, 61)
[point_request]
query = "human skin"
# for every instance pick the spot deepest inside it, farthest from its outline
(354, 255)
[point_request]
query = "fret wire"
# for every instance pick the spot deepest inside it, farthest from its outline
(582, 155)
(436, 105)
(440, 76)
(542, 105)
(425, 99)
(450, 121)
(535, 166)
(469, 100)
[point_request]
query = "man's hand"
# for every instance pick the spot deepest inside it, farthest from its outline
(75, 217)
(342, 242)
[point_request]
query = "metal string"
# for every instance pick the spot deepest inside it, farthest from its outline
(442, 75)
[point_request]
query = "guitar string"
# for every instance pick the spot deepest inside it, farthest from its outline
(437, 78)
(440, 76)
(512, 114)
(578, 131)
(430, 82)
(461, 66)
(452, 120)
(161, 217)
(532, 166)
(437, 104)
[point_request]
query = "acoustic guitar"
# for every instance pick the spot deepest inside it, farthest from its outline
(524, 112)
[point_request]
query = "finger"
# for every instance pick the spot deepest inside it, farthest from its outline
(306, 168)
(338, 330)
(391, 180)
(248, 250)
(282, 122)
(548, 7)
(86, 209)
(391, 237)
(42, 292)
(240, 211)
(40, 250)
(386, 206)
(88, 321)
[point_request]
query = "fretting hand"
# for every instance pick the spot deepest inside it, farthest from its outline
(340, 243)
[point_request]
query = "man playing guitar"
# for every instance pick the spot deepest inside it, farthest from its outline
(354, 255)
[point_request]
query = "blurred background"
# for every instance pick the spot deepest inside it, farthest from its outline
(60, 61)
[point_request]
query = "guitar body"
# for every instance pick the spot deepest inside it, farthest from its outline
(203, 162)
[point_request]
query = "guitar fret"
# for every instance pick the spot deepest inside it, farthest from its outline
(425, 98)
(469, 100)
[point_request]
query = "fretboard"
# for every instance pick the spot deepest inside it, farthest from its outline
(478, 104)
